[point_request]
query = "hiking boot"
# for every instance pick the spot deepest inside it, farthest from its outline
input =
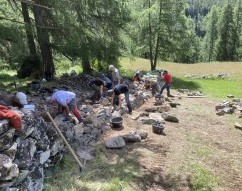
(130, 112)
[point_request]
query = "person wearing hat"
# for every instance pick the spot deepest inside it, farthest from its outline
(167, 85)
(21, 98)
(17, 100)
(115, 75)
(116, 94)
(99, 85)
(66, 101)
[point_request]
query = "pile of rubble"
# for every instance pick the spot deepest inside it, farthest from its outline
(24, 155)
(229, 107)
(190, 93)
(207, 76)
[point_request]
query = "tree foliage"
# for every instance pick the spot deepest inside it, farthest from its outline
(98, 32)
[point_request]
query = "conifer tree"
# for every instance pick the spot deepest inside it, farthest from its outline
(226, 44)
(238, 25)
(211, 36)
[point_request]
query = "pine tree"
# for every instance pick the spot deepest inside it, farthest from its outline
(226, 44)
(211, 36)
(238, 25)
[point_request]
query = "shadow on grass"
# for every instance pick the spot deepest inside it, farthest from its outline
(8, 82)
(179, 83)
(6, 77)
(125, 169)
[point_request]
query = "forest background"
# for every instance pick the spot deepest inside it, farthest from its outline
(35, 35)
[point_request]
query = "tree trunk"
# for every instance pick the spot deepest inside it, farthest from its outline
(41, 17)
(85, 61)
(150, 43)
(28, 28)
(158, 38)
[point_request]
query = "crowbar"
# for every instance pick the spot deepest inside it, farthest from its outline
(66, 143)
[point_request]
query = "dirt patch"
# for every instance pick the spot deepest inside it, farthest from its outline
(200, 139)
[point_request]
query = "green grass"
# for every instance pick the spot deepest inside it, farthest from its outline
(102, 174)
(203, 179)
(65, 66)
(214, 88)
(7, 77)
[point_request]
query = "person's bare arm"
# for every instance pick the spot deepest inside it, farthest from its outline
(67, 110)
(112, 97)
(101, 90)
(119, 79)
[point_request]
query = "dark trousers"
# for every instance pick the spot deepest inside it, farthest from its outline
(167, 87)
(127, 101)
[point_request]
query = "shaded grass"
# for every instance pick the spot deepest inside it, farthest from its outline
(101, 174)
(113, 170)
(7, 78)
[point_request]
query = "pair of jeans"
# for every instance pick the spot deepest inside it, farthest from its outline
(126, 94)
(167, 87)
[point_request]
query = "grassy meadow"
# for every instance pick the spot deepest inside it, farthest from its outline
(214, 88)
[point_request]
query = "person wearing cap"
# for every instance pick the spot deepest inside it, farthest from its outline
(22, 98)
(66, 101)
(99, 85)
(18, 99)
(115, 75)
(116, 94)
(167, 85)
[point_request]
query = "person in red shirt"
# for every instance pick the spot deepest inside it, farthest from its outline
(167, 85)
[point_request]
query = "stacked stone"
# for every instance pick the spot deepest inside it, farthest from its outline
(25, 155)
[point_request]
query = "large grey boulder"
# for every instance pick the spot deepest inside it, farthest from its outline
(163, 108)
(25, 153)
(170, 117)
(4, 126)
(8, 169)
(34, 180)
(11, 152)
(131, 137)
(115, 143)
(6, 139)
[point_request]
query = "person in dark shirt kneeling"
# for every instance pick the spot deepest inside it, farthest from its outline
(99, 85)
(116, 94)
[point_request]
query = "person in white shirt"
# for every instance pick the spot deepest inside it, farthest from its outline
(115, 75)
(66, 101)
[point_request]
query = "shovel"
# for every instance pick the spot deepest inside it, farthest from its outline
(66, 143)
